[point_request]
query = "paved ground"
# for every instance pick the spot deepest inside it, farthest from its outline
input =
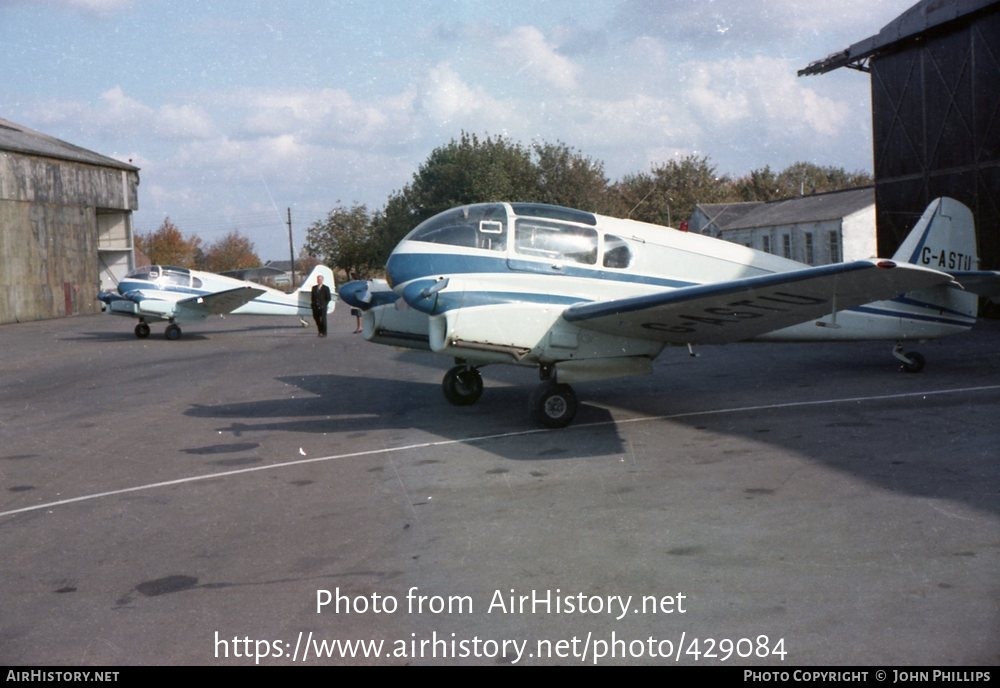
(190, 502)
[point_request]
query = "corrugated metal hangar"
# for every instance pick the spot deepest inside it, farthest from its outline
(65, 225)
(935, 80)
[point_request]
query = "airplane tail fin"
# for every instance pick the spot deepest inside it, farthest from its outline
(318, 271)
(305, 291)
(944, 239)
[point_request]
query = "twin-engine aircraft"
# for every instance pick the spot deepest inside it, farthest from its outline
(582, 296)
(171, 294)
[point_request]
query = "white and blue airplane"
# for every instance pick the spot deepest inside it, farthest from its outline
(582, 296)
(172, 294)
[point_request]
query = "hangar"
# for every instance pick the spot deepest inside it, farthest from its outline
(65, 225)
(935, 84)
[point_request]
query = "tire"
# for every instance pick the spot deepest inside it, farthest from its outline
(142, 330)
(462, 386)
(553, 405)
(916, 363)
(173, 332)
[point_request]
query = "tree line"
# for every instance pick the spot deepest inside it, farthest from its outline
(471, 169)
(474, 169)
(167, 245)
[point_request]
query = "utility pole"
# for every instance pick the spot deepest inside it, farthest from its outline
(291, 248)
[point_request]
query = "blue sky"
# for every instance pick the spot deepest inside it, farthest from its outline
(235, 110)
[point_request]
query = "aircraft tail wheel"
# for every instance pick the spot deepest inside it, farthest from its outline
(462, 385)
(912, 362)
(915, 363)
(173, 332)
(142, 330)
(553, 405)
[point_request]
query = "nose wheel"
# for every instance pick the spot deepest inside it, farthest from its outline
(462, 385)
(142, 329)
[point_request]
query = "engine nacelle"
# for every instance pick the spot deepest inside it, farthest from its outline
(519, 333)
(394, 326)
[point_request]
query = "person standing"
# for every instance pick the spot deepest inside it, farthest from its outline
(320, 301)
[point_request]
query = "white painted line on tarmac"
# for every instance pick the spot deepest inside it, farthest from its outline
(497, 436)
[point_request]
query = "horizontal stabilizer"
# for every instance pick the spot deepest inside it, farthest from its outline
(981, 282)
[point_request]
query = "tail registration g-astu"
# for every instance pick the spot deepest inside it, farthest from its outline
(164, 293)
(581, 296)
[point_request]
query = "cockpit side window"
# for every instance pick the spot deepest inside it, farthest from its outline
(555, 241)
(617, 253)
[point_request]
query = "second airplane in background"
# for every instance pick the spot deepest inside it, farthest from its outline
(171, 294)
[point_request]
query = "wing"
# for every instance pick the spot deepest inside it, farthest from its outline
(219, 303)
(742, 309)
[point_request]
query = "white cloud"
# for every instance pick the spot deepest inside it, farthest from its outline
(763, 91)
(183, 121)
(526, 49)
(445, 103)
(95, 6)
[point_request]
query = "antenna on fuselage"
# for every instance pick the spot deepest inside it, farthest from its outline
(641, 201)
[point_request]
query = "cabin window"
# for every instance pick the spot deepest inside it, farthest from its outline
(617, 253)
(176, 277)
(556, 241)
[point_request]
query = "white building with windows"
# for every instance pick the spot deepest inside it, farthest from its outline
(819, 229)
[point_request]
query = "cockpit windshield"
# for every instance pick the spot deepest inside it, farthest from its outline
(551, 233)
(473, 226)
(180, 277)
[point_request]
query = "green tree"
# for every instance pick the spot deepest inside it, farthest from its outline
(567, 177)
(806, 178)
(391, 223)
(668, 194)
(472, 170)
(167, 246)
(231, 252)
(759, 185)
(344, 239)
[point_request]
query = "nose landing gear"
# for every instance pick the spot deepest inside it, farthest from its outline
(462, 385)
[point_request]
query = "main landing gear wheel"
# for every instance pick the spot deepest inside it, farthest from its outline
(553, 404)
(912, 361)
(462, 385)
(173, 332)
(142, 330)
